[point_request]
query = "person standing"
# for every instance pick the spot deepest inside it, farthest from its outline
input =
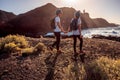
(58, 29)
(75, 26)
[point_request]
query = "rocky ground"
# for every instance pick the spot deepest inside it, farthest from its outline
(114, 38)
(53, 66)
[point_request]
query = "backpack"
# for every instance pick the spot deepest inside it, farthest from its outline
(73, 24)
(52, 23)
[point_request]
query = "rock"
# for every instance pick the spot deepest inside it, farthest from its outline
(114, 38)
(5, 72)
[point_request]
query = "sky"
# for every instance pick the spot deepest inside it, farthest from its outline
(108, 9)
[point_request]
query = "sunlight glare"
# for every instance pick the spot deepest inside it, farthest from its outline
(70, 2)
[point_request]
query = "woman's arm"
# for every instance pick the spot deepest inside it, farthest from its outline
(68, 29)
(79, 27)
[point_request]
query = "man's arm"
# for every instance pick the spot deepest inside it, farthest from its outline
(59, 25)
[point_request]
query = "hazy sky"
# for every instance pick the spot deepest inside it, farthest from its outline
(108, 9)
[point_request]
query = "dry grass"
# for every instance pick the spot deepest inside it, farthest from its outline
(102, 60)
(103, 69)
(12, 42)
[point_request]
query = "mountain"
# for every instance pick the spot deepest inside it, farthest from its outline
(37, 21)
(6, 16)
(31, 23)
(102, 22)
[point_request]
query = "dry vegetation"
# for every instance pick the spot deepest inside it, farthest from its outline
(34, 60)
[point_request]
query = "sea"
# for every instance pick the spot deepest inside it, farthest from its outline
(88, 33)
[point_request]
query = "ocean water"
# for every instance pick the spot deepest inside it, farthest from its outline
(113, 31)
(109, 31)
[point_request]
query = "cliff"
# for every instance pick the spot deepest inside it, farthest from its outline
(37, 21)
(6, 16)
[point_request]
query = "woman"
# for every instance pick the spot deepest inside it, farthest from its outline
(75, 26)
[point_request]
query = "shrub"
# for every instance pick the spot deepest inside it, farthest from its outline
(39, 48)
(10, 47)
(12, 42)
(15, 43)
(111, 67)
(103, 69)
(27, 51)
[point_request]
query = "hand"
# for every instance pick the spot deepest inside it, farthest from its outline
(64, 31)
(81, 36)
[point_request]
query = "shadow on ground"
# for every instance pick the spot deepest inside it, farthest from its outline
(51, 66)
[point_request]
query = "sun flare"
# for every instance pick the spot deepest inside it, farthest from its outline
(70, 2)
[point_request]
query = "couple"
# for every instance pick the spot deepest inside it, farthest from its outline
(75, 23)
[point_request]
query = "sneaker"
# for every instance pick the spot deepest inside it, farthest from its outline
(51, 48)
(59, 51)
(74, 58)
(75, 54)
(81, 51)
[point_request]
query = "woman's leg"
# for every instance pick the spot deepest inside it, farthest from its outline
(81, 42)
(74, 43)
(82, 56)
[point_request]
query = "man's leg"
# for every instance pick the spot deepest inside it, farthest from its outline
(74, 43)
(57, 40)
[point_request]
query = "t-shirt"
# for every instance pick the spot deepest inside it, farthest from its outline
(76, 32)
(57, 29)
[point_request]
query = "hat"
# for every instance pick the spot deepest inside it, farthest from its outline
(59, 11)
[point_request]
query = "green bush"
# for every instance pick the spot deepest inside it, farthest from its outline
(12, 42)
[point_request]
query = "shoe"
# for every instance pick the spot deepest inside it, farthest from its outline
(75, 56)
(51, 48)
(81, 51)
(59, 51)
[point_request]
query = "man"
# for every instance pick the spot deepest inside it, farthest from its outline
(75, 26)
(57, 30)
